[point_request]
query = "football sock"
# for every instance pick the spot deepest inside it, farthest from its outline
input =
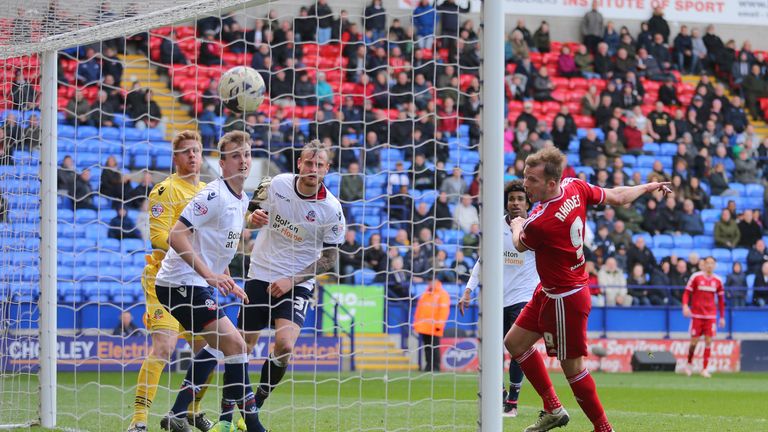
(583, 387)
(532, 365)
(236, 392)
(515, 381)
(707, 353)
(272, 372)
(146, 388)
(195, 408)
(691, 350)
(197, 375)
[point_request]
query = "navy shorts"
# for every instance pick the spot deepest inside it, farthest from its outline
(262, 309)
(194, 307)
(511, 313)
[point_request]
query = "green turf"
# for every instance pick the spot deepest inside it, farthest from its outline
(418, 402)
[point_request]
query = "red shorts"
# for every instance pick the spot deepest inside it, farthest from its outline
(703, 327)
(561, 320)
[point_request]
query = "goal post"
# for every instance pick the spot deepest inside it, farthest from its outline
(59, 279)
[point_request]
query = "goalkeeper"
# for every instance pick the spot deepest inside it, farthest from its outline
(166, 201)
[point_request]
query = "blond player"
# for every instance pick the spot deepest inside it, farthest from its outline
(166, 202)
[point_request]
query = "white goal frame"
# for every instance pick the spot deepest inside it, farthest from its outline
(491, 175)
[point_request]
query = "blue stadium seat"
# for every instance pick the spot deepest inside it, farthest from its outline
(652, 148)
(683, 241)
(588, 170)
(755, 190)
(644, 161)
(163, 162)
(574, 159)
(718, 202)
(96, 259)
(709, 228)
(711, 215)
(663, 241)
(86, 131)
(450, 250)
(450, 236)
(110, 244)
(83, 274)
(750, 288)
(660, 253)
(141, 161)
(753, 203)
(155, 134)
(704, 241)
(739, 255)
(629, 160)
(364, 276)
(85, 216)
(32, 244)
(738, 187)
(65, 215)
(132, 245)
(453, 290)
(666, 162)
(65, 131)
(723, 267)
(110, 133)
(133, 134)
(721, 254)
(24, 259)
(65, 273)
(667, 149)
(683, 252)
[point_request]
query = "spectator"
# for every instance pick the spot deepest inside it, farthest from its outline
(670, 214)
(541, 41)
(592, 27)
(754, 87)
(590, 101)
(141, 192)
(400, 205)
(690, 219)
(736, 286)
(454, 186)
(614, 148)
(89, 70)
(122, 226)
(66, 174)
(602, 61)
(640, 254)
(668, 93)
(613, 284)
(660, 276)
(661, 127)
(398, 279)
(324, 15)
(678, 279)
(698, 53)
(304, 91)
(324, 90)
(461, 268)
(619, 235)
(146, 114)
(442, 212)
(603, 245)
(142, 220)
(727, 233)
(598, 299)
(350, 257)
(636, 283)
(543, 85)
(422, 218)
(113, 182)
(633, 137)
(3, 209)
(375, 20)
(125, 327)
(432, 310)
(77, 109)
(352, 184)
(698, 195)
(718, 181)
(589, 148)
(23, 94)
(374, 255)
(749, 229)
(683, 48)
(424, 23)
(745, 169)
(31, 139)
(103, 110)
(756, 257)
(658, 25)
(471, 241)
(466, 214)
(561, 136)
(611, 38)
(81, 191)
(760, 296)
(736, 116)
(420, 262)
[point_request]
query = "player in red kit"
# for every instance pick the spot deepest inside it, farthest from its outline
(702, 288)
(561, 304)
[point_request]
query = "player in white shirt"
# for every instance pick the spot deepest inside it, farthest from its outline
(302, 226)
(202, 244)
(520, 280)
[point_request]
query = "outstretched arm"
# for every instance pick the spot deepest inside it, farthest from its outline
(622, 195)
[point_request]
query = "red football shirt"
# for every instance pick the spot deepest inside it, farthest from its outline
(555, 230)
(702, 290)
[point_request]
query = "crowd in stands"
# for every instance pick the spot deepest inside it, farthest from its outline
(412, 90)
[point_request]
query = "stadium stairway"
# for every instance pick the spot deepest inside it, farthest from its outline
(175, 114)
(761, 128)
(378, 352)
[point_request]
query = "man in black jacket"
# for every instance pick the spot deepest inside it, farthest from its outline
(639, 254)
(350, 257)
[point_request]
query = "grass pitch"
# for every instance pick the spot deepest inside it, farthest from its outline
(413, 402)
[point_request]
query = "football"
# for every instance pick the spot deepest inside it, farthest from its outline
(241, 89)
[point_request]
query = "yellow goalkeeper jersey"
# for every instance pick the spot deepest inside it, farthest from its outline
(166, 202)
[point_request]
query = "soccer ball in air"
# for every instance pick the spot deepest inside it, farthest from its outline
(241, 89)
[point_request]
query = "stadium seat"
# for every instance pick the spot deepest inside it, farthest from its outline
(711, 215)
(738, 187)
(450, 250)
(721, 254)
(683, 241)
(667, 149)
(132, 245)
(739, 255)
(704, 241)
(755, 190)
(652, 148)
(85, 215)
(110, 244)
(645, 161)
(364, 276)
(588, 170)
(663, 241)
(629, 160)
(65, 215)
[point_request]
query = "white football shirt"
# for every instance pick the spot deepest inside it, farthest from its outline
(217, 216)
(298, 228)
(520, 275)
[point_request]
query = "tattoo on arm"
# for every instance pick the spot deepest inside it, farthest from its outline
(325, 263)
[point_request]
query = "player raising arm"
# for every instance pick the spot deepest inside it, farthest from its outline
(202, 244)
(561, 304)
(166, 202)
(304, 227)
(702, 288)
(520, 280)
